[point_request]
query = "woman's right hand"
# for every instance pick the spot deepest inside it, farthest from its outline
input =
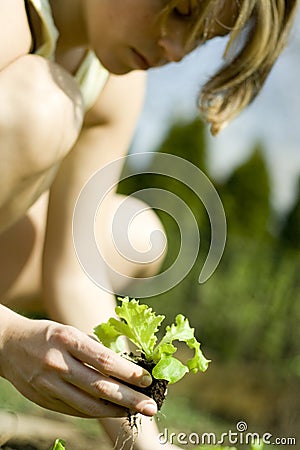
(62, 369)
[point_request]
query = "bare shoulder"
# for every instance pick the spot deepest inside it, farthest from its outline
(120, 101)
(15, 35)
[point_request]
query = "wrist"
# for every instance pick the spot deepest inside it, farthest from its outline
(9, 321)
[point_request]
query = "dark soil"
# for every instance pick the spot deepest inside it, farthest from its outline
(158, 388)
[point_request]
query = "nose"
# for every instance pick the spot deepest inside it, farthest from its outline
(173, 47)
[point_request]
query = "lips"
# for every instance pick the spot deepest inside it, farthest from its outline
(140, 61)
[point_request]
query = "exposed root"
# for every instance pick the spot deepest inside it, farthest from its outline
(129, 432)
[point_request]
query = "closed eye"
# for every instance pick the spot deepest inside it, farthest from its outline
(183, 9)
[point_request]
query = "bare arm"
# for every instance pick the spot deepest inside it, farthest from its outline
(71, 297)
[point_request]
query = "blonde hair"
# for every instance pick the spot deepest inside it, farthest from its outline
(259, 33)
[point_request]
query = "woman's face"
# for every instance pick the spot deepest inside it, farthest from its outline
(131, 34)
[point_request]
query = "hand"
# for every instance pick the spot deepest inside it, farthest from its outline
(62, 369)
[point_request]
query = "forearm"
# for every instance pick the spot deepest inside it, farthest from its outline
(69, 295)
(106, 137)
(75, 300)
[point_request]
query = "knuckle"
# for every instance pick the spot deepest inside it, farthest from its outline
(107, 361)
(102, 387)
(135, 374)
(64, 335)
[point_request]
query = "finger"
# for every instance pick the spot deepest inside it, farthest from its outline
(89, 405)
(104, 387)
(108, 362)
(64, 397)
(58, 405)
(45, 399)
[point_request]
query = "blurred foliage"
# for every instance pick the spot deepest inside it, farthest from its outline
(249, 309)
(246, 197)
(290, 231)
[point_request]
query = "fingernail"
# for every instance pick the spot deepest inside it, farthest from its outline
(146, 380)
(150, 409)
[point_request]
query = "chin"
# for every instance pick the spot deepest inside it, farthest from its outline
(120, 71)
(115, 67)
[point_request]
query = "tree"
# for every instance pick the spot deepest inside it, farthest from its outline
(246, 197)
(187, 140)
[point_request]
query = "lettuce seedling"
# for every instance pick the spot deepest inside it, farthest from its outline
(59, 444)
(139, 324)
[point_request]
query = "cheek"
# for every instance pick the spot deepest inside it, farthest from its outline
(100, 19)
(122, 21)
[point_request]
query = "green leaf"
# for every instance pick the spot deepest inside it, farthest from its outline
(110, 337)
(198, 362)
(142, 324)
(181, 331)
(170, 369)
(163, 350)
(139, 324)
(59, 444)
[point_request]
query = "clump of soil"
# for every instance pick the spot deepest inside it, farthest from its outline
(158, 388)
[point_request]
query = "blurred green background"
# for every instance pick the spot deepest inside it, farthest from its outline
(247, 315)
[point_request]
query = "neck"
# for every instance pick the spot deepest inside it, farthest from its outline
(69, 20)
